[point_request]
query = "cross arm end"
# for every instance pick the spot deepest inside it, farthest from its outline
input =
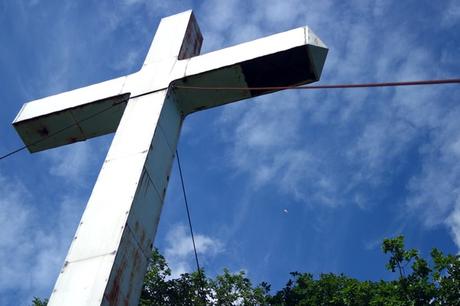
(71, 116)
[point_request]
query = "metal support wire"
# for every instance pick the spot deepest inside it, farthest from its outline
(200, 273)
(332, 86)
(188, 211)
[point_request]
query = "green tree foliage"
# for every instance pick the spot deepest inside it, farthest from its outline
(417, 282)
(197, 289)
(39, 302)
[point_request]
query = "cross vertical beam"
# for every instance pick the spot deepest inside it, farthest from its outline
(110, 251)
(114, 239)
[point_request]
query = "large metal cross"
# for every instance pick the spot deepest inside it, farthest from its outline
(108, 256)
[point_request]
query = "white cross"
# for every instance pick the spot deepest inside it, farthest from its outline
(107, 260)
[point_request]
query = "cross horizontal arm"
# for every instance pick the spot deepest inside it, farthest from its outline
(96, 110)
(72, 116)
(290, 58)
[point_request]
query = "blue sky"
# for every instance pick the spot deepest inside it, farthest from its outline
(350, 166)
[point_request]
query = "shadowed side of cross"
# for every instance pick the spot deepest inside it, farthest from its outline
(108, 256)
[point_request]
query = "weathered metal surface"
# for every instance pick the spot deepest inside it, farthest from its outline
(70, 125)
(108, 256)
(118, 226)
(290, 58)
(173, 38)
(192, 42)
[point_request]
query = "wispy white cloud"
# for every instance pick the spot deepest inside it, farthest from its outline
(31, 254)
(179, 249)
(129, 61)
(436, 189)
(267, 140)
(453, 221)
(71, 163)
(451, 15)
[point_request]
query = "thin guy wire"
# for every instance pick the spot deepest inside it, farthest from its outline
(336, 86)
(333, 86)
(188, 211)
(203, 296)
